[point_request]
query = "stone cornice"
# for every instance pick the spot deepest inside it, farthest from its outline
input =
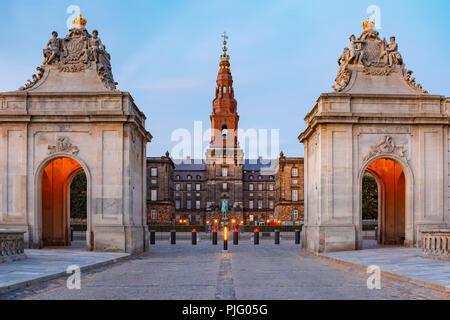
(321, 113)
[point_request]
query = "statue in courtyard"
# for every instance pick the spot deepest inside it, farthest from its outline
(224, 208)
(225, 212)
(53, 49)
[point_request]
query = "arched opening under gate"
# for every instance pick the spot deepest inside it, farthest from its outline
(56, 182)
(391, 200)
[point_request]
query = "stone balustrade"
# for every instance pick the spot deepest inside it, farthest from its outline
(11, 245)
(436, 243)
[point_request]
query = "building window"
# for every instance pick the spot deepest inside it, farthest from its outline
(294, 195)
(153, 214)
(197, 204)
(178, 187)
(189, 177)
(270, 204)
(250, 194)
(224, 172)
(259, 177)
(260, 186)
(188, 194)
(154, 172)
(177, 204)
(224, 186)
(295, 172)
(154, 181)
(188, 187)
(197, 195)
(154, 195)
(250, 187)
(260, 204)
(189, 205)
(198, 177)
(270, 187)
(250, 177)
(294, 181)
(198, 187)
(224, 127)
(178, 177)
(197, 218)
(250, 204)
(271, 177)
(294, 214)
(177, 194)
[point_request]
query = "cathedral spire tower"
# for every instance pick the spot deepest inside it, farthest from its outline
(224, 118)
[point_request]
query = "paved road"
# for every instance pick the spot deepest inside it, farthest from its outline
(183, 271)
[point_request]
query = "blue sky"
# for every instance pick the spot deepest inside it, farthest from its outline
(283, 53)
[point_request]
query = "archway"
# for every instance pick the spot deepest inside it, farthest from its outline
(55, 182)
(391, 216)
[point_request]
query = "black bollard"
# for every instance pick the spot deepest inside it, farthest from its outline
(173, 237)
(297, 236)
(194, 237)
(214, 236)
(71, 234)
(277, 236)
(236, 236)
(256, 236)
(152, 236)
(225, 238)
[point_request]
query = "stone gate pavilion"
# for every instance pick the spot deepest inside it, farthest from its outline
(70, 118)
(381, 122)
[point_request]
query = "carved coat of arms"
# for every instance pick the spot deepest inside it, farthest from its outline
(373, 56)
(63, 145)
(78, 51)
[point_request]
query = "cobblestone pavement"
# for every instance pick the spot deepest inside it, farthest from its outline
(407, 262)
(48, 263)
(183, 271)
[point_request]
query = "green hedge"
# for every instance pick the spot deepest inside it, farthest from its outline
(273, 228)
(178, 228)
(369, 225)
(79, 227)
(248, 228)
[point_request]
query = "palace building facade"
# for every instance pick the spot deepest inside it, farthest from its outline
(257, 191)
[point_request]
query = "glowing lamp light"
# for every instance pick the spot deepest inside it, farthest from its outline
(233, 221)
(268, 221)
(225, 233)
(215, 221)
(236, 230)
(207, 222)
(194, 230)
(256, 230)
(242, 222)
(214, 230)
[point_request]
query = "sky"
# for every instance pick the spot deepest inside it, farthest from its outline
(283, 53)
